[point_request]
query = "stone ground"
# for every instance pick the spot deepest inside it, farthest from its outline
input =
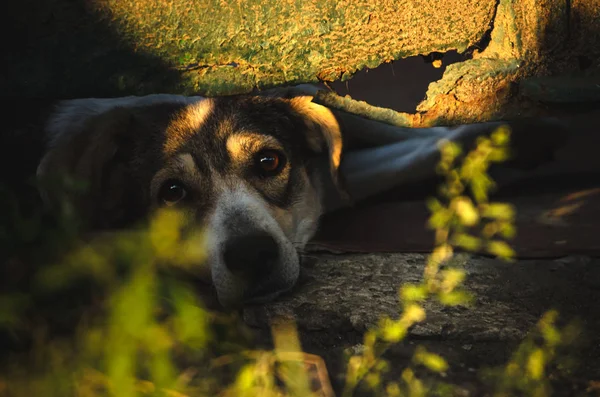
(340, 296)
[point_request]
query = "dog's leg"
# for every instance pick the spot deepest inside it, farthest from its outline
(374, 170)
(360, 132)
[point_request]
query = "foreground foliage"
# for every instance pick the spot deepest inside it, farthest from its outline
(133, 323)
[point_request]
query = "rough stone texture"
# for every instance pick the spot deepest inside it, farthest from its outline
(538, 52)
(219, 47)
(288, 41)
(529, 38)
(111, 48)
(342, 295)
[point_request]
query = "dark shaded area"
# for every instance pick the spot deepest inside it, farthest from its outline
(400, 85)
(63, 49)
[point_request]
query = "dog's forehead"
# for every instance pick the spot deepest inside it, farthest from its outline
(215, 119)
(262, 116)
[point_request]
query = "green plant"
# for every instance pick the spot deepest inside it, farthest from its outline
(147, 332)
(462, 218)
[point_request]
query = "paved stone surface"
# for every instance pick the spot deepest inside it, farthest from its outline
(340, 296)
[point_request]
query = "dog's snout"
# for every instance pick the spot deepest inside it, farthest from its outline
(251, 255)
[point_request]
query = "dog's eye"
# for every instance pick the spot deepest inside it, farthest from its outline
(171, 192)
(269, 162)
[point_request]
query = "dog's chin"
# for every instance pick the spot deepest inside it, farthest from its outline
(240, 302)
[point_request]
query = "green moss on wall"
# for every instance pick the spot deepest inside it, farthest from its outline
(116, 47)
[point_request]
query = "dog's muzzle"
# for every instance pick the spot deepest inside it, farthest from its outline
(253, 268)
(252, 257)
(252, 261)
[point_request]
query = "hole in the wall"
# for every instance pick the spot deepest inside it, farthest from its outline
(400, 85)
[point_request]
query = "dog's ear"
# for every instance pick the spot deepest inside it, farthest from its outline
(324, 131)
(96, 155)
(324, 134)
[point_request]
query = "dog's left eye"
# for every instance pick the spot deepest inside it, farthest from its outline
(171, 192)
(269, 162)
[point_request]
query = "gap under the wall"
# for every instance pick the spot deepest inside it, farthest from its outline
(399, 85)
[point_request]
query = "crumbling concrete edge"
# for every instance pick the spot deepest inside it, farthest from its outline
(474, 90)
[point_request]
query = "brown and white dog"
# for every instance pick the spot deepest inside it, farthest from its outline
(247, 168)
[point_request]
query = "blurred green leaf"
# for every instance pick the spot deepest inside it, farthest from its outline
(451, 278)
(393, 331)
(499, 211)
(190, 319)
(466, 211)
(536, 364)
(500, 249)
(455, 298)
(440, 219)
(501, 136)
(466, 241)
(413, 313)
(507, 230)
(413, 292)
(434, 205)
(432, 361)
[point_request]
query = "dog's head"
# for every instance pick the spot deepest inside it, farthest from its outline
(246, 168)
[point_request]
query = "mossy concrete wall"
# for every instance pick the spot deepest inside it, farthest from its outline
(536, 47)
(82, 48)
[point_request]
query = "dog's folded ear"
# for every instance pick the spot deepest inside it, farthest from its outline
(96, 155)
(324, 135)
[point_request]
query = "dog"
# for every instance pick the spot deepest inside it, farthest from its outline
(247, 169)
(256, 172)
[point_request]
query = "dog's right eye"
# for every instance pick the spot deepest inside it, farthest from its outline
(171, 192)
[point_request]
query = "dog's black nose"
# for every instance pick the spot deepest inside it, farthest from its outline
(252, 255)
